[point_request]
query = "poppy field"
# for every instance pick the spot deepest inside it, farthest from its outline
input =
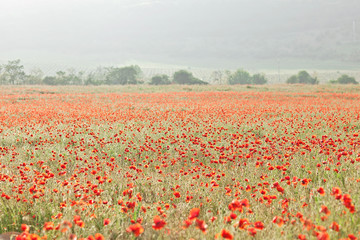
(233, 164)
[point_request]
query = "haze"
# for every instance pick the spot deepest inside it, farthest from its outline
(201, 33)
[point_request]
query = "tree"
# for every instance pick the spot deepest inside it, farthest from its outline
(12, 73)
(123, 75)
(240, 77)
(258, 79)
(185, 77)
(302, 77)
(61, 78)
(96, 77)
(345, 79)
(50, 80)
(65, 78)
(305, 78)
(73, 77)
(292, 80)
(160, 80)
(35, 76)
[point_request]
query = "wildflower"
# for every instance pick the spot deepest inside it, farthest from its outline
(99, 236)
(194, 213)
(259, 225)
(226, 234)
(136, 229)
(321, 191)
(158, 223)
(200, 224)
(106, 221)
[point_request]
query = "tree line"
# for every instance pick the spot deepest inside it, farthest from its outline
(13, 73)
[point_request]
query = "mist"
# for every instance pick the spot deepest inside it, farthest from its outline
(258, 34)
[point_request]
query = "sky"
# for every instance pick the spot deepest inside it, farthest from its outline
(206, 33)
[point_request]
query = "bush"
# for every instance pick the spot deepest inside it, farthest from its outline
(185, 77)
(50, 80)
(243, 77)
(345, 79)
(96, 77)
(240, 77)
(160, 80)
(123, 75)
(302, 77)
(258, 79)
(293, 79)
(64, 78)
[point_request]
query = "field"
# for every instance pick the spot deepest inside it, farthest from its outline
(141, 162)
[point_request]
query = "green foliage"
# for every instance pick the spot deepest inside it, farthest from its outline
(160, 80)
(65, 78)
(259, 79)
(240, 77)
(12, 73)
(243, 77)
(96, 77)
(50, 80)
(292, 80)
(35, 77)
(344, 79)
(185, 77)
(303, 77)
(123, 75)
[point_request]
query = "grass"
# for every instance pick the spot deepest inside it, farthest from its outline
(76, 156)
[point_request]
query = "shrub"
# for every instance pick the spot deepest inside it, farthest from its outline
(345, 79)
(258, 79)
(50, 80)
(302, 77)
(123, 75)
(240, 77)
(160, 80)
(185, 77)
(243, 77)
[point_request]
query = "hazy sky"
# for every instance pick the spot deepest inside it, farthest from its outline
(164, 31)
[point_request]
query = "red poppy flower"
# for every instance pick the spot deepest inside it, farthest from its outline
(259, 225)
(200, 224)
(106, 221)
(99, 236)
(158, 223)
(177, 194)
(194, 213)
(226, 234)
(243, 223)
(335, 226)
(136, 229)
(321, 191)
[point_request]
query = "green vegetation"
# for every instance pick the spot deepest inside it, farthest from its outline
(123, 75)
(303, 77)
(13, 73)
(160, 80)
(65, 78)
(344, 79)
(185, 77)
(243, 77)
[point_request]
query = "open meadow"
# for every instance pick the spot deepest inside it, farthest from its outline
(180, 162)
